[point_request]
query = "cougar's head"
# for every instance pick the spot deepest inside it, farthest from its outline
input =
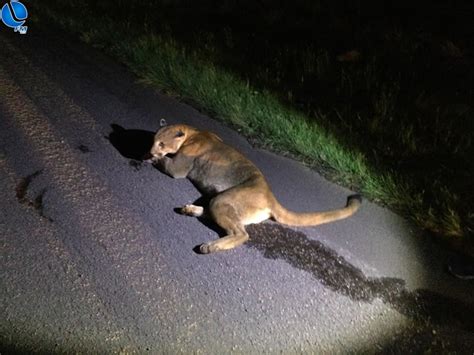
(168, 140)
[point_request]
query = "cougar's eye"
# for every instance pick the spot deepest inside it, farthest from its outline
(161, 145)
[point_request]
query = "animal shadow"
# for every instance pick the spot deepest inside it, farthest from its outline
(131, 143)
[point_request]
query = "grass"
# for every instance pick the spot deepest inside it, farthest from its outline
(369, 115)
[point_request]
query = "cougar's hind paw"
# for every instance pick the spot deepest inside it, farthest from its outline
(206, 248)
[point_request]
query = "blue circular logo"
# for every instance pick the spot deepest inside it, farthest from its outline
(14, 14)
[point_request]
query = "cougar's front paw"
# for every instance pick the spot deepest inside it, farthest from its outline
(192, 210)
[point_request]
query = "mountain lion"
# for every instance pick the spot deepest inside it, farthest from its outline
(238, 192)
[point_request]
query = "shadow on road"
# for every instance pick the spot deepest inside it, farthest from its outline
(131, 143)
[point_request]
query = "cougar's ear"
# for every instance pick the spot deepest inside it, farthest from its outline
(163, 122)
(180, 133)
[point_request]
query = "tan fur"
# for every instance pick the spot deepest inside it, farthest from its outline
(239, 193)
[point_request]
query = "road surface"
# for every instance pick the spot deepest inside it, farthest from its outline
(95, 260)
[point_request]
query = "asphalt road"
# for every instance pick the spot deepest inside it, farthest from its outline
(95, 260)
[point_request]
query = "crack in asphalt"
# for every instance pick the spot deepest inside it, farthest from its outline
(21, 191)
(21, 188)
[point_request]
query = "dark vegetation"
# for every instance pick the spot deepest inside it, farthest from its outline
(376, 95)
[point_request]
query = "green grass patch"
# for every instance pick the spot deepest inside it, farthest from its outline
(366, 123)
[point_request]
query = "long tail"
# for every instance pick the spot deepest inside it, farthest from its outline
(284, 216)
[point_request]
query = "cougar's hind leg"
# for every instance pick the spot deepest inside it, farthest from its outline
(236, 235)
(227, 218)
